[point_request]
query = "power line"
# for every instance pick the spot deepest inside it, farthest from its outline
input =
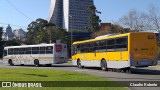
(13, 25)
(18, 10)
(22, 27)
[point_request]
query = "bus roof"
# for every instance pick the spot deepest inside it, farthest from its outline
(22, 46)
(107, 37)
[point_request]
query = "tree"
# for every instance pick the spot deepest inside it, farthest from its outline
(114, 30)
(40, 31)
(135, 20)
(1, 32)
(154, 18)
(56, 33)
(13, 42)
(34, 28)
(142, 21)
(94, 20)
(1, 43)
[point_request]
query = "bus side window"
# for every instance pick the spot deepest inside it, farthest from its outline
(86, 49)
(5, 53)
(92, 47)
(42, 50)
(74, 49)
(16, 51)
(28, 50)
(102, 46)
(82, 48)
(10, 51)
(22, 51)
(121, 44)
(49, 50)
(35, 50)
(79, 48)
(111, 45)
(96, 46)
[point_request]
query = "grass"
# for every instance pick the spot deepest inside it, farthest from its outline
(19, 74)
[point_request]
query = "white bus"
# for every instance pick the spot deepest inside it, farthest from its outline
(42, 54)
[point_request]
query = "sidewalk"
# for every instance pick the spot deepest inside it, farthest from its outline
(157, 67)
(1, 61)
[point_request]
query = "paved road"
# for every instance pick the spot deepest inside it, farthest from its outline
(146, 74)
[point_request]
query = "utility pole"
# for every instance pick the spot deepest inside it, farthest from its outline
(71, 32)
(50, 36)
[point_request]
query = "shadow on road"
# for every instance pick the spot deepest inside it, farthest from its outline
(145, 71)
(135, 71)
(132, 79)
(57, 65)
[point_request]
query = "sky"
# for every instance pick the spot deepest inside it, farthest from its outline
(30, 10)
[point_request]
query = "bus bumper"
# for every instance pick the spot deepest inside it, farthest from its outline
(144, 63)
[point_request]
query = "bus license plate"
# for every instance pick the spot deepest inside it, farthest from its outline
(145, 63)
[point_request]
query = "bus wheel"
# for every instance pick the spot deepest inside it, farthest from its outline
(36, 63)
(104, 65)
(79, 64)
(127, 70)
(10, 62)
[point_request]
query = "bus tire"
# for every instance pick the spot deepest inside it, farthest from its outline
(10, 62)
(79, 64)
(104, 65)
(127, 70)
(36, 63)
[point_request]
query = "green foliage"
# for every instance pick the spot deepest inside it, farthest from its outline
(114, 29)
(1, 49)
(1, 32)
(94, 20)
(56, 33)
(24, 74)
(33, 30)
(40, 31)
(13, 42)
(1, 43)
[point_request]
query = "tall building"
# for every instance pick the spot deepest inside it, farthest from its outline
(16, 34)
(19, 34)
(8, 35)
(56, 12)
(70, 14)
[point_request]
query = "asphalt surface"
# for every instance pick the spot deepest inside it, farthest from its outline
(140, 74)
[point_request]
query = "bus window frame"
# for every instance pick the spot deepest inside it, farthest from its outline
(28, 50)
(111, 45)
(49, 51)
(98, 47)
(5, 54)
(42, 50)
(74, 49)
(122, 44)
(35, 50)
